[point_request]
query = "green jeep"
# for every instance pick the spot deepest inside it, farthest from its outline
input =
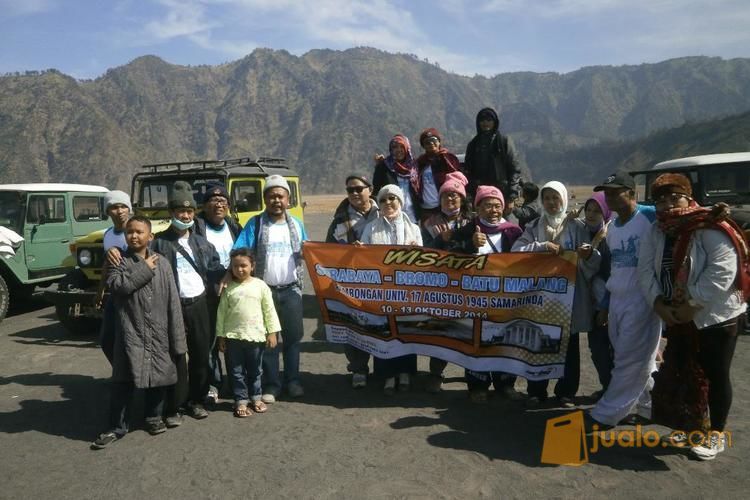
(75, 299)
(49, 217)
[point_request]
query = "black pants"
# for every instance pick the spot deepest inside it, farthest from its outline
(567, 386)
(107, 331)
(192, 383)
(387, 368)
(120, 403)
(717, 345)
(215, 376)
(482, 380)
(602, 355)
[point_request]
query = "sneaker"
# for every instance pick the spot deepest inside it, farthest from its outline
(173, 421)
(197, 411)
(156, 427)
(564, 402)
(212, 398)
(105, 439)
(509, 393)
(268, 398)
(596, 395)
(359, 380)
(389, 388)
(404, 382)
(434, 384)
(675, 439)
(708, 450)
(295, 390)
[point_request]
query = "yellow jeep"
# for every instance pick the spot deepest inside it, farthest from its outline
(244, 178)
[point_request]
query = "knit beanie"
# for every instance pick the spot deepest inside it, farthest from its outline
(115, 197)
(181, 196)
(215, 189)
(488, 192)
(391, 189)
(455, 182)
(427, 133)
(273, 181)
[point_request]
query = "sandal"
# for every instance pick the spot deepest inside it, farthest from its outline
(242, 411)
(259, 407)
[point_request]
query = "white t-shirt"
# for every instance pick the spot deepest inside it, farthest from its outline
(624, 241)
(191, 283)
(280, 266)
(222, 241)
(430, 196)
(114, 239)
(487, 248)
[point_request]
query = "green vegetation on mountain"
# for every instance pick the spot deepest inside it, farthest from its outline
(329, 112)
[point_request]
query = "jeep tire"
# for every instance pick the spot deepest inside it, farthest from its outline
(4, 298)
(75, 280)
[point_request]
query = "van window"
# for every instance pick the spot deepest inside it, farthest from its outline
(88, 208)
(46, 208)
(247, 196)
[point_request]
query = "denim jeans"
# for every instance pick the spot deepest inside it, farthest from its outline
(288, 303)
(121, 402)
(244, 360)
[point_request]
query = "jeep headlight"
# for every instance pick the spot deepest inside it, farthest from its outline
(84, 257)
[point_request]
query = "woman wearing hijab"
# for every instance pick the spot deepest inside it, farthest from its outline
(433, 167)
(554, 232)
(596, 219)
(688, 269)
(437, 232)
(488, 233)
(393, 227)
(399, 168)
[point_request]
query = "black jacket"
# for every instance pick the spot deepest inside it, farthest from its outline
(491, 160)
(200, 226)
(204, 255)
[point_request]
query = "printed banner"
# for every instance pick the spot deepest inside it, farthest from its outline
(503, 312)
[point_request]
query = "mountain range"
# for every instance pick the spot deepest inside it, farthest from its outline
(328, 112)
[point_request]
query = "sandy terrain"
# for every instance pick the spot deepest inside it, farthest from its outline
(333, 443)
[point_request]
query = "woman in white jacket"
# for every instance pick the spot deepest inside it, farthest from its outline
(393, 227)
(687, 268)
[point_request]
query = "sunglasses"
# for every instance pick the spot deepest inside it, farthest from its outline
(389, 198)
(431, 140)
(355, 189)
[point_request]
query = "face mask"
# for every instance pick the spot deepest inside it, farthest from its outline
(182, 226)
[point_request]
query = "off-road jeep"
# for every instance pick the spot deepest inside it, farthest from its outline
(715, 178)
(49, 217)
(244, 178)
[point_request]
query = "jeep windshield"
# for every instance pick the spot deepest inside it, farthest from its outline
(11, 210)
(729, 183)
(154, 193)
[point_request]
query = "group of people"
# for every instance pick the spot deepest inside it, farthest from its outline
(201, 286)
(204, 285)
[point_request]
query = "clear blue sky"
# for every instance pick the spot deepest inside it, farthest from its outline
(84, 38)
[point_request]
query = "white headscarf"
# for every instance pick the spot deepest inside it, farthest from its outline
(552, 225)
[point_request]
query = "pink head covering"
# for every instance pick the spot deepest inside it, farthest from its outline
(488, 192)
(599, 198)
(455, 182)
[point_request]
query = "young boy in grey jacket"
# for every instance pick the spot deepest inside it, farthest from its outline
(149, 332)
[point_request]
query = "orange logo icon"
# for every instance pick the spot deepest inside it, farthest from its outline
(565, 440)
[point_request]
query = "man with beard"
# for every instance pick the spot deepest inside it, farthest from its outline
(275, 237)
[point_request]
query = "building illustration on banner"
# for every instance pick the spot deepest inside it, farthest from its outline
(522, 333)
